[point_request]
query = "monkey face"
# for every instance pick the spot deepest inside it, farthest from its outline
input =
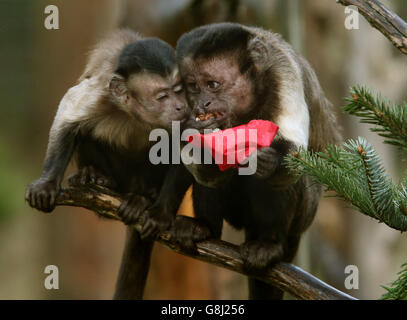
(154, 99)
(217, 92)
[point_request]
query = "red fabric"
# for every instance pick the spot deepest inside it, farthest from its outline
(241, 144)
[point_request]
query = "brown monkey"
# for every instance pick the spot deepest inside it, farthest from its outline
(130, 86)
(234, 74)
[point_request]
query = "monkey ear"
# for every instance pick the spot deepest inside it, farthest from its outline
(118, 89)
(260, 53)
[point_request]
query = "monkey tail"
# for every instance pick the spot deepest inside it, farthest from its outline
(134, 267)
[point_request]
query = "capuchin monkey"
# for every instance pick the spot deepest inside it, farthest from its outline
(234, 74)
(130, 86)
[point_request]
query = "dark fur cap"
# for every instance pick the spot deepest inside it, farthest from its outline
(152, 55)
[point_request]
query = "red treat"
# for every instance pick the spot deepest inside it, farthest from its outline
(232, 146)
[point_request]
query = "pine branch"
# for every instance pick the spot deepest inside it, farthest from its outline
(390, 121)
(356, 174)
(398, 288)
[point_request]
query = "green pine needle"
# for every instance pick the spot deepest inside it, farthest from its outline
(356, 174)
(390, 121)
(398, 288)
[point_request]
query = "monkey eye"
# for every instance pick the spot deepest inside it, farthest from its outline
(192, 86)
(213, 85)
(178, 88)
(161, 96)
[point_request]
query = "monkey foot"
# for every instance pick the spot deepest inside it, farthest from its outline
(186, 232)
(88, 175)
(132, 207)
(258, 255)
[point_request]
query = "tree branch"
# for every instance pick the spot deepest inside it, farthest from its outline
(283, 275)
(383, 19)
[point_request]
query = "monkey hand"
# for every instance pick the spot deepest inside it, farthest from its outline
(88, 175)
(267, 159)
(156, 220)
(187, 231)
(41, 194)
(132, 207)
(258, 255)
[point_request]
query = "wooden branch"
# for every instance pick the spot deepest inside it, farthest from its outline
(383, 19)
(283, 275)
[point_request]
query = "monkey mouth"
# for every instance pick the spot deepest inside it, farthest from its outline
(209, 116)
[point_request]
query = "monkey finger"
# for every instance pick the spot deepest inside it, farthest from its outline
(32, 201)
(137, 211)
(149, 229)
(126, 216)
(92, 175)
(46, 205)
(122, 208)
(73, 179)
(130, 215)
(46, 202)
(101, 182)
(27, 195)
(52, 199)
(84, 176)
(39, 202)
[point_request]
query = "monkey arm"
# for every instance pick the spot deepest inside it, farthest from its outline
(75, 106)
(41, 193)
(59, 153)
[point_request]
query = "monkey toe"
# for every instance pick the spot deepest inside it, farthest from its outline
(131, 208)
(258, 255)
(92, 177)
(126, 214)
(149, 231)
(74, 179)
(156, 221)
(186, 232)
(105, 182)
(89, 175)
(84, 176)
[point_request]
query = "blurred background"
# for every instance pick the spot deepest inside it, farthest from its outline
(38, 66)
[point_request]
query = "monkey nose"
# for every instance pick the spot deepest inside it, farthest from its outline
(180, 107)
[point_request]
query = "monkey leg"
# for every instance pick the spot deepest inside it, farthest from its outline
(267, 233)
(256, 254)
(134, 268)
